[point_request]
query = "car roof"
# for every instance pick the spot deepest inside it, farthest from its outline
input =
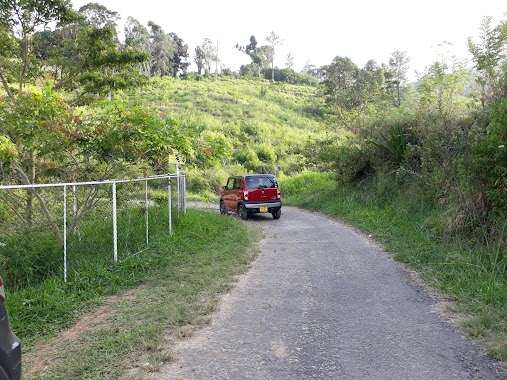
(251, 175)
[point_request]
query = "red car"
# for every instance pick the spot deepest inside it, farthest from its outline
(249, 194)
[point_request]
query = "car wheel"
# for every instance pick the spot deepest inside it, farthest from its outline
(277, 214)
(223, 209)
(242, 212)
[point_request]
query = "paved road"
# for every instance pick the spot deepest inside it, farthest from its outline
(323, 302)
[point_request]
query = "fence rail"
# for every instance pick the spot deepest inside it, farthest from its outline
(88, 201)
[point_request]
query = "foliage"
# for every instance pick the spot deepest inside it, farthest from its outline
(8, 150)
(204, 55)
(20, 20)
(489, 160)
(440, 87)
(98, 67)
(488, 55)
(253, 52)
(57, 143)
(395, 144)
(232, 123)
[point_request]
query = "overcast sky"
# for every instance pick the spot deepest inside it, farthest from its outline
(317, 31)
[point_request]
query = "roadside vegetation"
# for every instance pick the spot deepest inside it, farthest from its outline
(421, 165)
(174, 285)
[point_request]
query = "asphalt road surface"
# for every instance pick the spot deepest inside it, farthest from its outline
(324, 302)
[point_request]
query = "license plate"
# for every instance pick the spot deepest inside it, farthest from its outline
(264, 208)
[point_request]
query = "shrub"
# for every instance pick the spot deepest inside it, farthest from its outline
(248, 158)
(265, 153)
(489, 160)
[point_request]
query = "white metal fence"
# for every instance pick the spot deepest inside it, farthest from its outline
(74, 200)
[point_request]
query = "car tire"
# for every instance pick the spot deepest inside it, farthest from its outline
(242, 212)
(223, 209)
(277, 214)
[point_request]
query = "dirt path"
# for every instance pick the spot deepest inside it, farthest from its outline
(323, 302)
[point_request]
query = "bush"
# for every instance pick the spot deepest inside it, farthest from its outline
(266, 153)
(248, 158)
(489, 161)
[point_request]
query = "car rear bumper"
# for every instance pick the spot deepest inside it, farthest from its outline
(256, 206)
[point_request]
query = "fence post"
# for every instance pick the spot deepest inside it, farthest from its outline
(178, 187)
(184, 194)
(147, 214)
(115, 227)
(74, 204)
(169, 202)
(65, 233)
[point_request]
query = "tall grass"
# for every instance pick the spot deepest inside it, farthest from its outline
(40, 302)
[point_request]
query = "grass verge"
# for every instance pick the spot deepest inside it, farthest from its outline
(471, 276)
(173, 291)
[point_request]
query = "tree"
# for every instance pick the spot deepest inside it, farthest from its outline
(353, 92)
(178, 63)
(439, 86)
(68, 146)
(98, 15)
(488, 55)
(252, 51)
(340, 77)
(162, 50)
(204, 55)
(137, 37)
(266, 54)
(20, 20)
(274, 40)
(289, 61)
(98, 67)
(397, 73)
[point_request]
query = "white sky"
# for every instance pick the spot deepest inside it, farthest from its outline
(317, 31)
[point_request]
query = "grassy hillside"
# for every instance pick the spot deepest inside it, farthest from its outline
(239, 124)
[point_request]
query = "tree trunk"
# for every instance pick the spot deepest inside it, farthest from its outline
(6, 88)
(34, 194)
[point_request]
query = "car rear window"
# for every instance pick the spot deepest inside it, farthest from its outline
(261, 182)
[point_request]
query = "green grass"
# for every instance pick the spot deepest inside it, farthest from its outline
(469, 275)
(174, 286)
(246, 112)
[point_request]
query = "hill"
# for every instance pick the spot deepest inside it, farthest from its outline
(238, 125)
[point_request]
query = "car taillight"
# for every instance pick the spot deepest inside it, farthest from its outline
(278, 195)
(245, 195)
(2, 292)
